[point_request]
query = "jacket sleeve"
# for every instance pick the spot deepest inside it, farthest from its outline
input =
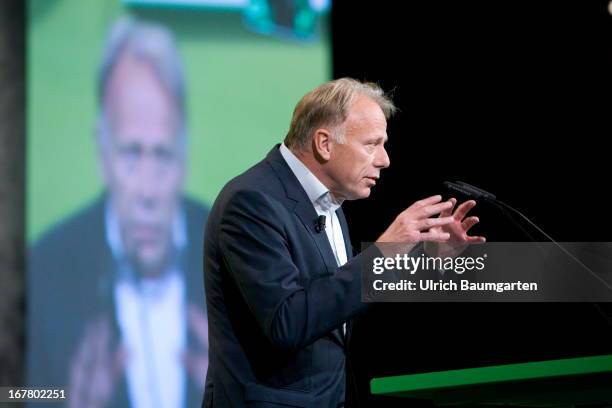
(256, 252)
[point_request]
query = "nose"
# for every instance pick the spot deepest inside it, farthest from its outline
(147, 184)
(382, 159)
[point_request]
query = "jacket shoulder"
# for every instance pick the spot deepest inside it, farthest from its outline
(73, 232)
(261, 178)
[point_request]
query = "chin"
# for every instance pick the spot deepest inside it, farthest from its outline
(150, 268)
(151, 261)
(365, 193)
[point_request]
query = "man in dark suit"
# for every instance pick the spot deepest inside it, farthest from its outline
(116, 304)
(281, 280)
(75, 337)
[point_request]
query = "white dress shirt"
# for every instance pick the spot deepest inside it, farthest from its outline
(151, 317)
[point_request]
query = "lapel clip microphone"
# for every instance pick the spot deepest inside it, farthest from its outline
(320, 224)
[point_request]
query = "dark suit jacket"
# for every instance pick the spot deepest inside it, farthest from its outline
(70, 278)
(276, 299)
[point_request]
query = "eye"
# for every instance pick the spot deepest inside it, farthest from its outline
(164, 155)
(130, 152)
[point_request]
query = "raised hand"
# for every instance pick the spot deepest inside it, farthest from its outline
(417, 222)
(96, 367)
(457, 231)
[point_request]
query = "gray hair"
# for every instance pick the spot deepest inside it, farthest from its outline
(152, 43)
(328, 105)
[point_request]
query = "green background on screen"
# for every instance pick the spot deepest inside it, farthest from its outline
(241, 90)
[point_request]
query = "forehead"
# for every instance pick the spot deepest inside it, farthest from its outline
(365, 115)
(137, 100)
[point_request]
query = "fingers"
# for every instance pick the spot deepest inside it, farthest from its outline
(433, 222)
(81, 367)
(95, 367)
(429, 201)
(86, 354)
(466, 225)
(101, 378)
(434, 209)
(448, 212)
(469, 223)
(198, 324)
(463, 209)
(434, 236)
(77, 374)
(101, 341)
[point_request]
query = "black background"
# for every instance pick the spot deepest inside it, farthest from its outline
(514, 97)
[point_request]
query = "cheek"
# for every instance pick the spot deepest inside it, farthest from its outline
(171, 183)
(124, 182)
(116, 171)
(364, 164)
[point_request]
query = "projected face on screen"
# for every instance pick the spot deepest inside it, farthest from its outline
(119, 98)
(133, 253)
(142, 160)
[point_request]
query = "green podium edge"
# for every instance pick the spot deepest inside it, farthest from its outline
(490, 375)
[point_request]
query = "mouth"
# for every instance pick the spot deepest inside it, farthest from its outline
(372, 180)
(145, 233)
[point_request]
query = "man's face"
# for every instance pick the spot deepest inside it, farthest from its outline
(142, 164)
(354, 166)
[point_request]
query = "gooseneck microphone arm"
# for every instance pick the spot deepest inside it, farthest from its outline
(478, 193)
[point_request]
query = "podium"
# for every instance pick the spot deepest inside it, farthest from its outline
(565, 382)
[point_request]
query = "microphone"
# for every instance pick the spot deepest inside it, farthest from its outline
(320, 223)
(484, 194)
(459, 189)
(477, 193)
(469, 190)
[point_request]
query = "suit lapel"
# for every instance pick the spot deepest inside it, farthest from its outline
(303, 207)
(308, 216)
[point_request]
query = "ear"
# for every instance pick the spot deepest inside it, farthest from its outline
(101, 154)
(322, 143)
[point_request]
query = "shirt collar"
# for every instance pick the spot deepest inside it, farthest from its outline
(316, 191)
